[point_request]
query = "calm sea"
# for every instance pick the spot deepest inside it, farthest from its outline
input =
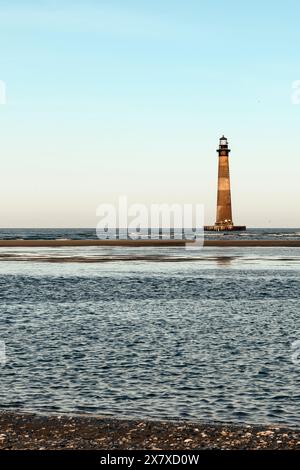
(205, 335)
(90, 233)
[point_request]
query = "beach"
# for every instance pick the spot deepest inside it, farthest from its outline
(147, 243)
(26, 431)
(153, 353)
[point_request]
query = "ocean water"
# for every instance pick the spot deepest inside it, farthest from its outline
(204, 335)
(90, 233)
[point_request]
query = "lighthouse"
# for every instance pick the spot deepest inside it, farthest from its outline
(224, 220)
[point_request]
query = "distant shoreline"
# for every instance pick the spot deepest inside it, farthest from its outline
(146, 243)
(29, 431)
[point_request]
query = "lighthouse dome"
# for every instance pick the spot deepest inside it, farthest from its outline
(223, 140)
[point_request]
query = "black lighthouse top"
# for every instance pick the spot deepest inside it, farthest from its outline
(223, 146)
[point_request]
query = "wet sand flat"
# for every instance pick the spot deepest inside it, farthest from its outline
(39, 432)
(147, 243)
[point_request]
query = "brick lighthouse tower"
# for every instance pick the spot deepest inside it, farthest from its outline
(224, 212)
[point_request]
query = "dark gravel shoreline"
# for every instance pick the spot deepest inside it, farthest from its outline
(21, 431)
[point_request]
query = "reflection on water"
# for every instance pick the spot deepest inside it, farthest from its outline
(207, 257)
(224, 260)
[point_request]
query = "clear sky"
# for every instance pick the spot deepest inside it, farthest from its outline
(131, 96)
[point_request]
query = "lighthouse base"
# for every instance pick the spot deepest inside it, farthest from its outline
(224, 228)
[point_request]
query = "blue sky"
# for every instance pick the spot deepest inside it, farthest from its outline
(130, 97)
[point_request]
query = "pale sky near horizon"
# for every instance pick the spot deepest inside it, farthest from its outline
(130, 97)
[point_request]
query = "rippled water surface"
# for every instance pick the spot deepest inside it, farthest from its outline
(90, 233)
(207, 338)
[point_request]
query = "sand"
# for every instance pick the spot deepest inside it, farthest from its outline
(147, 243)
